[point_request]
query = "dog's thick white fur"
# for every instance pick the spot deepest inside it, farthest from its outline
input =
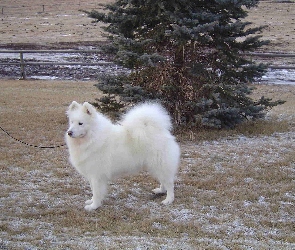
(101, 150)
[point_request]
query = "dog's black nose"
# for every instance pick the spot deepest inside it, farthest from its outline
(70, 133)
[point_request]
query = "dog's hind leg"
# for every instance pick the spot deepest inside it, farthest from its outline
(169, 186)
(88, 202)
(99, 189)
(166, 186)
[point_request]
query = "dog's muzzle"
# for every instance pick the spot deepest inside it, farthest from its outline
(70, 133)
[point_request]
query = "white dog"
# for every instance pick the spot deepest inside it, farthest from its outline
(101, 150)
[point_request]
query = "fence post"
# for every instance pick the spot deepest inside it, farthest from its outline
(22, 66)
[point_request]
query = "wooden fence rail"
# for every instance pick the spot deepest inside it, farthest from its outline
(51, 51)
(23, 63)
(19, 9)
(270, 54)
(273, 55)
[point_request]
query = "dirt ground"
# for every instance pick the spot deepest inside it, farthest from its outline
(59, 23)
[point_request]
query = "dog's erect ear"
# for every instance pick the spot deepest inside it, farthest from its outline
(74, 105)
(88, 108)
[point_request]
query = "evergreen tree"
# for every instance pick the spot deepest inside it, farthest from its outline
(187, 54)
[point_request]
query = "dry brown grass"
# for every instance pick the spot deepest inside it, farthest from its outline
(24, 22)
(235, 189)
(278, 16)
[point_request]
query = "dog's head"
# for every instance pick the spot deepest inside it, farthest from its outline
(80, 118)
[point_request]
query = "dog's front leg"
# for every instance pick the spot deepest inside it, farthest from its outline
(88, 202)
(99, 188)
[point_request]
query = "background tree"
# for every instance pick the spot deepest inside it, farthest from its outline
(187, 54)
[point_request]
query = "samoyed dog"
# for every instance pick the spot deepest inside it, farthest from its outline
(102, 151)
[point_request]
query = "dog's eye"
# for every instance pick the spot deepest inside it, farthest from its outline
(80, 123)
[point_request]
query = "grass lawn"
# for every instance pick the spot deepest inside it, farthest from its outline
(234, 190)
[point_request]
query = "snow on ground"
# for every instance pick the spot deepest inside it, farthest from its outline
(279, 76)
(225, 199)
(272, 76)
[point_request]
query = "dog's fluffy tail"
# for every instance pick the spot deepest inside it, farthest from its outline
(147, 117)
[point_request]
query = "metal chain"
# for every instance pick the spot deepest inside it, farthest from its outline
(31, 145)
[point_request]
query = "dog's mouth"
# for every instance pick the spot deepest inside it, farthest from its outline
(73, 135)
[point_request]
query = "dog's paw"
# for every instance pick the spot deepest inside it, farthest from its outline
(88, 202)
(91, 207)
(158, 191)
(167, 201)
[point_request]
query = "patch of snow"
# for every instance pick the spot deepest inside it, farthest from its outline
(248, 180)
(279, 76)
(290, 196)
(219, 168)
(182, 215)
(261, 201)
(44, 77)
